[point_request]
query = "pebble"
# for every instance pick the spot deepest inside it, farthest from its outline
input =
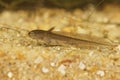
(10, 74)
(91, 53)
(100, 73)
(45, 70)
(52, 64)
(82, 66)
(61, 69)
(38, 60)
(118, 47)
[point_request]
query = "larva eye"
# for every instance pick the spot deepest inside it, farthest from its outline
(31, 33)
(36, 34)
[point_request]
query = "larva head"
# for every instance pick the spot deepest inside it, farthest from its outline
(37, 34)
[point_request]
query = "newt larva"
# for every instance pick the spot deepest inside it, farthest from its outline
(51, 39)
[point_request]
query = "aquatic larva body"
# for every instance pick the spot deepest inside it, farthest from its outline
(51, 39)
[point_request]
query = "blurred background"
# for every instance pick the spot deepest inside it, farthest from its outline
(67, 4)
(94, 17)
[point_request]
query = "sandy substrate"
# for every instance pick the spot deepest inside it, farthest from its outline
(22, 59)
